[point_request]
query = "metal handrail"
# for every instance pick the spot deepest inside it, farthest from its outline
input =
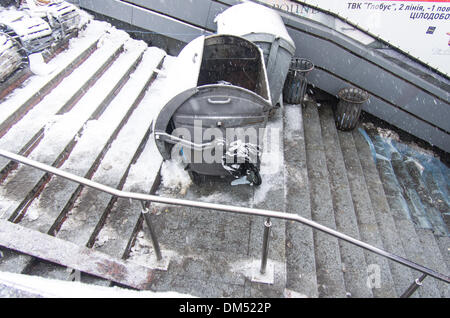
(225, 208)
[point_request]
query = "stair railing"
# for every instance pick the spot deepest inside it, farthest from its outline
(268, 214)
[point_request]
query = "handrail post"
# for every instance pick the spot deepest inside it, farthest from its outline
(265, 248)
(148, 221)
(414, 286)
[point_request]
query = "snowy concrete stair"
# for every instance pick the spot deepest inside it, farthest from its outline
(35, 124)
(48, 211)
(61, 136)
(300, 259)
(428, 254)
(124, 221)
(353, 259)
(90, 209)
(270, 195)
(22, 99)
(330, 277)
(402, 235)
(369, 231)
(206, 245)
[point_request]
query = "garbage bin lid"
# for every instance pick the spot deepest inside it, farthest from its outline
(188, 66)
(246, 18)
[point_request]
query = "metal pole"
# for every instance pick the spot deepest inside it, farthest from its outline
(148, 221)
(414, 286)
(265, 248)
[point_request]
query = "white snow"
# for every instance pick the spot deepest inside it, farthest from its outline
(19, 96)
(52, 288)
(38, 66)
(173, 176)
(32, 215)
(250, 268)
(288, 293)
(271, 160)
(107, 233)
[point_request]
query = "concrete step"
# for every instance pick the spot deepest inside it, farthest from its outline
(26, 134)
(91, 147)
(22, 99)
(22, 186)
(192, 268)
(367, 213)
(401, 214)
(300, 259)
(62, 134)
(86, 218)
(58, 196)
(353, 258)
(203, 245)
(434, 259)
(270, 195)
(330, 278)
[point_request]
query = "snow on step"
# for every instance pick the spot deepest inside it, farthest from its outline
(45, 211)
(121, 223)
(62, 64)
(300, 259)
(136, 180)
(113, 169)
(61, 134)
(66, 93)
(91, 145)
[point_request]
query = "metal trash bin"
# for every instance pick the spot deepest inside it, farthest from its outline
(264, 27)
(222, 98)
(349, 107)
(295, 85)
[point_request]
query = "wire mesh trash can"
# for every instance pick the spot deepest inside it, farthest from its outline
(216, 118)
(295, 85)
(349, 107)
(264, 27)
